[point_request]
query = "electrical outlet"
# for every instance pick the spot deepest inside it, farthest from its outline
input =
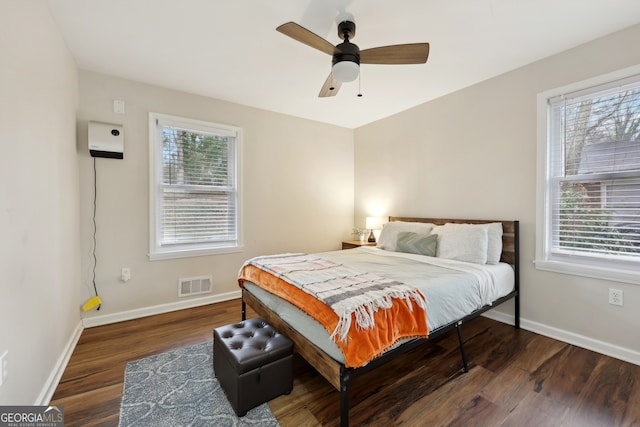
(4, 367)
(615, 296)
(125, 274)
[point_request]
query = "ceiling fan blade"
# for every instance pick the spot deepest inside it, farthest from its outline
(301, 34)
(413, 53)
(330, 87)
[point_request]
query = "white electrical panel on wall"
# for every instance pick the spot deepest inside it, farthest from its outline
(106, 140)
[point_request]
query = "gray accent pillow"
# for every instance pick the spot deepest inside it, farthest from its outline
(415, 243)
(389, 236)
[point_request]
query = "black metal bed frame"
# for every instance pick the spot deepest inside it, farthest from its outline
(346, 374)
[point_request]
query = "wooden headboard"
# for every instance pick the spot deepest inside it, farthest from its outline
(510, 234)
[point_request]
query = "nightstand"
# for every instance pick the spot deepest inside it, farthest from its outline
(350, 244)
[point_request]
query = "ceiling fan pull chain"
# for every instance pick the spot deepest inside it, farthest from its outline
(360, 85)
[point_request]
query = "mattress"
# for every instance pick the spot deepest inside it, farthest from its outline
(452, 289)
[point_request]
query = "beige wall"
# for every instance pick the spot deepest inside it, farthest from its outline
(472, 154)
(39, 200)
(297, 194)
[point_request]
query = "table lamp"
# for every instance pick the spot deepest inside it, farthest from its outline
(372, 223)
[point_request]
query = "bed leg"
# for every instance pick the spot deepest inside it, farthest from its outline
(244, 310)
(344, 397)
(465, 367)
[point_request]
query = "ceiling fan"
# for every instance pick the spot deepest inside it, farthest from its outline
(347, 56)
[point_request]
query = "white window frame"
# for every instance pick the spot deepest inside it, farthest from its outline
(607, 269)
(156, 250)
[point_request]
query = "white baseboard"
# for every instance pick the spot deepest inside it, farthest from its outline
(56, 374)
(509, 319)
(106, 319)
(598, 346)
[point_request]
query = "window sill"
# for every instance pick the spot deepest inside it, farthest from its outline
(189, 253)
(595, 272)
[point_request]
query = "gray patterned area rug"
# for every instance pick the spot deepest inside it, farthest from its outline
(179, 388)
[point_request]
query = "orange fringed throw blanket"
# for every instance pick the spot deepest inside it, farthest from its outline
(402, 320)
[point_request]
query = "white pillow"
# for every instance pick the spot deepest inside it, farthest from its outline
(389, 234)
(494, 246)
(463, 242)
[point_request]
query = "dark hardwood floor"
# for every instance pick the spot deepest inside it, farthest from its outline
(516, 378)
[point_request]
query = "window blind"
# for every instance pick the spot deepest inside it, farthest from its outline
(594, 172)
(198, 187)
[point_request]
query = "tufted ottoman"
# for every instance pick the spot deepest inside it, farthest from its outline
(253, 363)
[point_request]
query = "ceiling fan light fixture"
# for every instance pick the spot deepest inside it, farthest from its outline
(345, 71)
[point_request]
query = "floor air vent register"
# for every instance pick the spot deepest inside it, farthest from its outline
(194, 286)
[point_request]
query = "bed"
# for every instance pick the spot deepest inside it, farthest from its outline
(447, 279)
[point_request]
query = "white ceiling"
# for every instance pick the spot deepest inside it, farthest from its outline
(230, 50)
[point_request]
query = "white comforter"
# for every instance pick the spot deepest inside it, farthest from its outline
(452, 289)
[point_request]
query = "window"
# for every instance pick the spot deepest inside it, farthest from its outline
(589, 178)
(194, 201)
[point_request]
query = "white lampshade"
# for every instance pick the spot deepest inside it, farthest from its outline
(345, 71)
(373, 223)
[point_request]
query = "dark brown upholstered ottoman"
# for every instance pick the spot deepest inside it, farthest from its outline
(253, 363)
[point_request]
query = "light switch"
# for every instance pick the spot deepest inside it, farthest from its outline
(118, 106)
